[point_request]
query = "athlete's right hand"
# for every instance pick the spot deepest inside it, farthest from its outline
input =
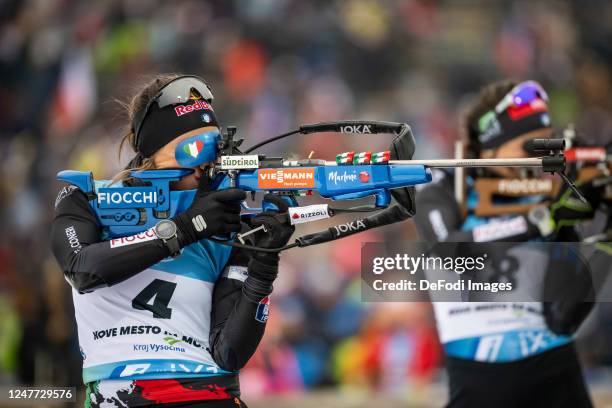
(567, 209)
(211, 213)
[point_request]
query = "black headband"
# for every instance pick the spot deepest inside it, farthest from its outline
(165, 124)
(180, 106)
(493, 129)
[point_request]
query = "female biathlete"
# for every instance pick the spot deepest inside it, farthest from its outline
(168, 322)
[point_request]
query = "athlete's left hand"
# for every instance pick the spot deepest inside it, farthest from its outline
(263, 266)
(277, 225)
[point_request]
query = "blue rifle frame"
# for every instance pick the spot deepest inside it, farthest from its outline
(121, 214)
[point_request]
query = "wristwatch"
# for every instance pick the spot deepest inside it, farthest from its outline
(166, 231)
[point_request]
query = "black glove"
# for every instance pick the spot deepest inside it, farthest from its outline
(278, 227)
(567, 209)
(263, 266)
(211, 213)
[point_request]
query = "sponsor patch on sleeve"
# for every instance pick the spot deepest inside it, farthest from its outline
(148, 235)
(263, 310)
(236, 272)
(500, 229)
(299, 215)
(73, 239)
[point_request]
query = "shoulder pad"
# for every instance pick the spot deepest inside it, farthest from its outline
(81, 179)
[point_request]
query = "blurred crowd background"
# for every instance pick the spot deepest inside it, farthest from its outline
(65, 65)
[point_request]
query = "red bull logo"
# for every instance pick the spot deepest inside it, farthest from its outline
(198, 104)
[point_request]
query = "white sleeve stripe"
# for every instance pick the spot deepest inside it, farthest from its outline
(437, 223)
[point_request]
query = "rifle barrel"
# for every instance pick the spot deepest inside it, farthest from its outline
(523, 162)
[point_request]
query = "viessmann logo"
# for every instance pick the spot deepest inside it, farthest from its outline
(286, 178)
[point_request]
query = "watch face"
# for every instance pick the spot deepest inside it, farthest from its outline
(165, 229)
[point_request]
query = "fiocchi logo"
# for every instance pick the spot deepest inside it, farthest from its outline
(127, 197)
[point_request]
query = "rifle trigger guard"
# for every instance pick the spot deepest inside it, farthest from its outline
(250, 210)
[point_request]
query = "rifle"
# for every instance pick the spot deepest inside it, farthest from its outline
(126, 211)
(587, 162)
(584, 162)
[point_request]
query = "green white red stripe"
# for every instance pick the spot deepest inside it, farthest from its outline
(362, 158)
(345, 158)
(381, 157)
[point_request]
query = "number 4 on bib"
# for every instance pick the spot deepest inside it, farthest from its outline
(155, 297)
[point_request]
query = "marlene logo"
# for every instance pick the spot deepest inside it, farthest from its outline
(285, 178)
(342, 178)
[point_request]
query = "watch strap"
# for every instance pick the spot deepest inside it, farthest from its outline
(172, 242)
(173, 245)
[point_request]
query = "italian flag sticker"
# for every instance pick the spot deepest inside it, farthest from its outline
(194, 148)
